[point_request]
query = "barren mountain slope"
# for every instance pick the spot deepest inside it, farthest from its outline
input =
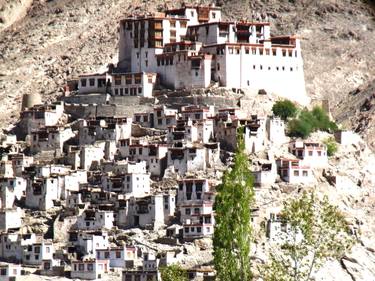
(58, 39)
(357, 110)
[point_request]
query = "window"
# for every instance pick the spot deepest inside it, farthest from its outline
(36, 257)
(319, 153)
(261, 67)
(218, 66)
(128, 79)
(137, 55)
(196, 211)
(126, 91)
(247, 51)
(173, 24)
(116, 92)
(310, 153)
(192, 13)
(121, 92)
(118, 255)
(92, 82)
(187, 230)
(199, 229)
(140, 90)
(48, 250)
(291, 69)
(230, 50)
(187, 211)
(37, 250)
(47, 266)
(83, 82)
(304, 173)
(3, 271)
(117, 80)
(213, 15)
(81, 267)
(296, 173)
(90, 267)
(106, 255)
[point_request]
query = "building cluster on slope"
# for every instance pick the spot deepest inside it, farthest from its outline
(103, 180)
(101, 176)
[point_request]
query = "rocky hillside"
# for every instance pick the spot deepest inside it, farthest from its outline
(356, 110)
(44, 42)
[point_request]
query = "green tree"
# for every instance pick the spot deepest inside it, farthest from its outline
(233, 232)
(331, 146)
(317, 231)
(173, 273)
(322, 120)
(310, 121)
(284, 109)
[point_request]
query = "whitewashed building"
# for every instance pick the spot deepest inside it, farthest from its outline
(133, 84)
(42, 192)
(11, 189)
(151, 211)
(129, 184)
(191, 158)
(94, 83)
(87, 242)
(294, 171)
(35, 253)
(10, 271)
(313, 154)
(195, 204)
(153, 154)
(42, 115)
(50, 138)
(104, 129)
(192, 47)
(92, 219)
(119, 257)
(89, 268)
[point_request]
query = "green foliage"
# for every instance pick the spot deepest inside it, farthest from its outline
(331, 146)
(284, 109)
(173, 273)
(310, 121)
(318, 232)
(233, 233)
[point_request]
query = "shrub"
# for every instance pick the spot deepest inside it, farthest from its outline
(331, 146)
(311, 121)
(284, 109)
(173, 273)
(323, 122)
(299, 128)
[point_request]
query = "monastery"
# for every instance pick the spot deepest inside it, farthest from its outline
(128, 191)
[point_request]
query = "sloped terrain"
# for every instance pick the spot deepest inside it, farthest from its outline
(56, 40)
(356, 111)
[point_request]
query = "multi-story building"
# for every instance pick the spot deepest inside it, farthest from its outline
(193, 47)
(195, 200)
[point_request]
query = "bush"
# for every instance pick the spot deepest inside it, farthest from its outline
(311, 121)
(173, 273)
(299, 128)
(323, 122)
(331, 146)
(284, 109)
